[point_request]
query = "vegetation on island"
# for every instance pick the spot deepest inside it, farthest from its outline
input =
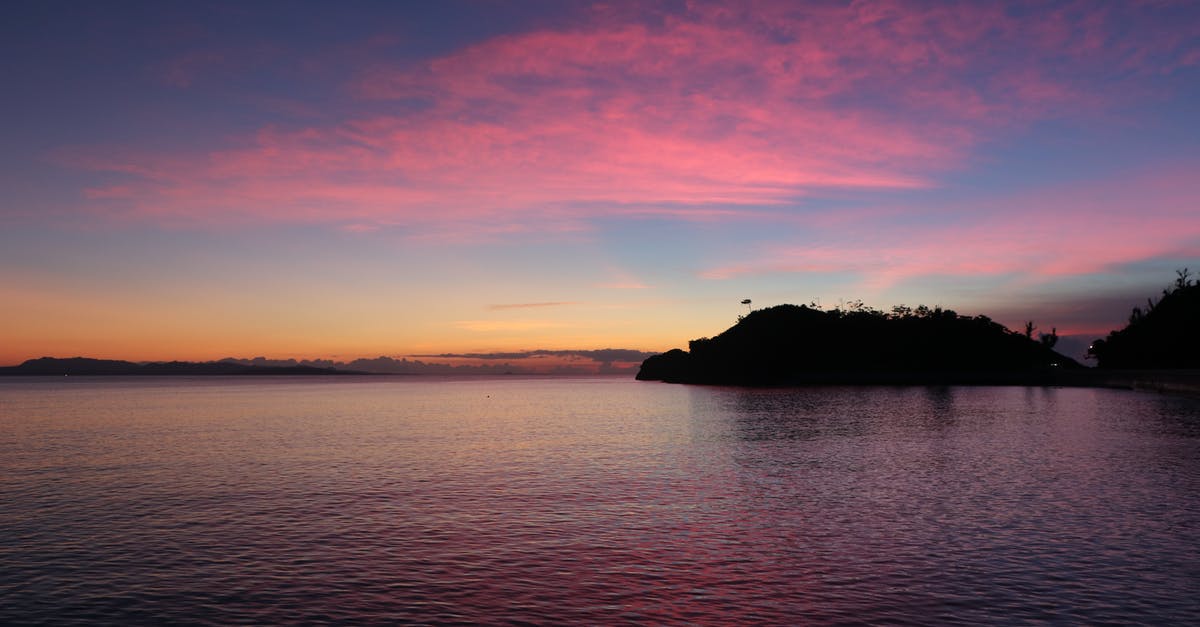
(855, 343)
(1164, 335)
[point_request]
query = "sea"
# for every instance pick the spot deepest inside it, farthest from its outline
(598, 501)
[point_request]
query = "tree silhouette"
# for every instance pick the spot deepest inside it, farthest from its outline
(855, 342)
(1181, 279)
(1162, 336)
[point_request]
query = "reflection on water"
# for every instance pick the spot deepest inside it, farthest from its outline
(593, 500)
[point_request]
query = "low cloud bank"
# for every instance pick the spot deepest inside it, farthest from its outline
(601, 355)
(601, 361)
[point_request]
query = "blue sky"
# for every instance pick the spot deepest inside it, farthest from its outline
(308, 180)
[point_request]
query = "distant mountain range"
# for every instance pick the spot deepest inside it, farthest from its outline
(84, 366)
(576, 362)
(562, 362)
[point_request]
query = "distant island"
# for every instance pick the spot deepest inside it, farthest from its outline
(604, 361)
(84, 366)
(791, 344)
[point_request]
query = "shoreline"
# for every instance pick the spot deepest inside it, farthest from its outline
(1186, 382)
(1166, 381)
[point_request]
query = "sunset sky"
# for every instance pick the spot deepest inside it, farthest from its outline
(338, 180)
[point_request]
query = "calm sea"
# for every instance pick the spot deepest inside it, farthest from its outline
(598, 501)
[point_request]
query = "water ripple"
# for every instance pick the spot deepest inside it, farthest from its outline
(594, 501)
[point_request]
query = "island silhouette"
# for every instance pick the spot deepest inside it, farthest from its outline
(1159, 349)
(789, 344)
(86, 366)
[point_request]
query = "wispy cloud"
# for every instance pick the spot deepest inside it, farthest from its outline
(624, 285)
(360, 228)
(502, 307)
(1046, 233)
(603, 355)
(621, 278)
(701, 112)
(489, 326)
(599, 361)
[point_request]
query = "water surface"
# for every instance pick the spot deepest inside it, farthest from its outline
(423, 500)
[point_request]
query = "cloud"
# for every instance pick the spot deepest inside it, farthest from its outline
(181, 72)
(599, 355)
(360, 228)
(1047, 233)
(502, 307)
(601, 361)
(488, 326)
(1091, 316)
(701, 113)
(624, 285)
(621, 278)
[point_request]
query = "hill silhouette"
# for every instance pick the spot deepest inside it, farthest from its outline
(796, 344)
(85, 366)
(1163, 336)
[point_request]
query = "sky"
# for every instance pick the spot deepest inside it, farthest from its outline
(469, 180)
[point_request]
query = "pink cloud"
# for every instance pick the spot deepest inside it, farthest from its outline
(1038, 236)
(360, 228)
(206, 64)
(181, 72)
(737, 108)
(624, 285)
(501, 307)
(110, 191)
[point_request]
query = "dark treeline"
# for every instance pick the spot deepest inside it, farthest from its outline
(1163, 335)
(790, 343)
